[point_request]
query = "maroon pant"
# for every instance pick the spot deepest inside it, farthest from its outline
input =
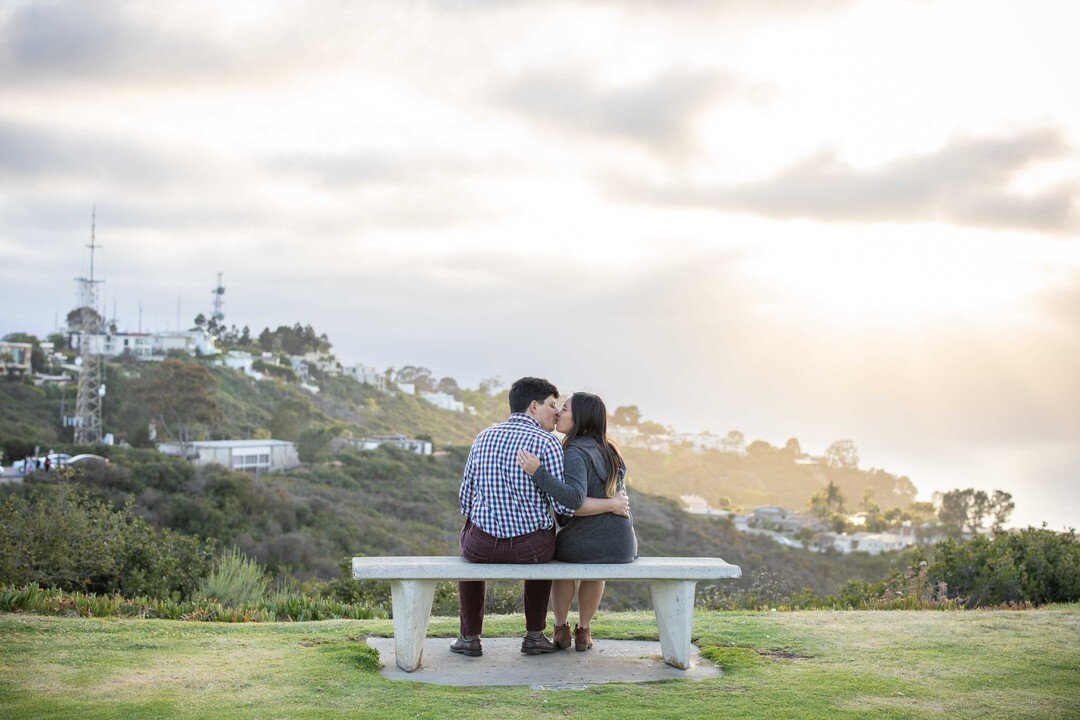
(479, 547)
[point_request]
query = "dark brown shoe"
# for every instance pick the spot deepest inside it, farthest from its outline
(535, 647)
(563, 637)
(470, 648)
(582, 639)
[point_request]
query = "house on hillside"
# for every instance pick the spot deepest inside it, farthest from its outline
(147, 345)
(413, 445)
(870, 543)
(242, 361)
(254, 456)
(367, 376)
(15, 357)
(442, 400)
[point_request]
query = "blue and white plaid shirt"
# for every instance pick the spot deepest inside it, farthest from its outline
(496, 494)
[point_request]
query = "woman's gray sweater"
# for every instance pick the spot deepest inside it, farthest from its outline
(606, 538)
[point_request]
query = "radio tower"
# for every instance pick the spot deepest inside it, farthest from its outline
(91, 391)
(219, 302)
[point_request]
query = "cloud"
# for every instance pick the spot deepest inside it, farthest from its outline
(72, 39)
(965, 183)
(659, 114)
(31, 154)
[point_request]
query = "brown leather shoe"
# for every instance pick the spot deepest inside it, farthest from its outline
(535, 647)
(562, 637)
(470, 648)
(582, 639)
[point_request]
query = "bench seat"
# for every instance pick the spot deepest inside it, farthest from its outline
(672, 581)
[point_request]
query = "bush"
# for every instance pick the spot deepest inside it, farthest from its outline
(1036, 566)
(235, 580)
(59, 536)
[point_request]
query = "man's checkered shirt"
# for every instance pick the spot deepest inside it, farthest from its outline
(496, 494)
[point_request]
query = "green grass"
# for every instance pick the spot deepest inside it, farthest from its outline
(978, 664)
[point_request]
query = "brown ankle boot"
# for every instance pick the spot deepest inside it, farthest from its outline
(582, 639)
(562, 636)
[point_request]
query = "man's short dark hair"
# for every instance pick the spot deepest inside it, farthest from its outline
(527, 389)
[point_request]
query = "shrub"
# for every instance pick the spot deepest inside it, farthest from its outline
(1036, 565)
(235, 580)
(59, 536)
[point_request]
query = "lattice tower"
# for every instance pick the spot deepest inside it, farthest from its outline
(91, 391)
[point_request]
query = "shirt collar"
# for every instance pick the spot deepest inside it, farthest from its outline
(523, 418)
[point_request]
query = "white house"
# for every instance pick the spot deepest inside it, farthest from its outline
(367, 376)
(443, 400)
(420, 447)
(255, 456)
(242, 361)
(870, 543)
(147, 345)
(407, 388)
(699, 442)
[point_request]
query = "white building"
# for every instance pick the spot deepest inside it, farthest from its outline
(407, 388)
(323, 362)
(870, 543)
(147, 345)
(242, 361)
(367, 376)
(420, 447)
(443, 400)
(255, 456)
(700, 442)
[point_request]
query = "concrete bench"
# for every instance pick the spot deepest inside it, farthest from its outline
(672, 581)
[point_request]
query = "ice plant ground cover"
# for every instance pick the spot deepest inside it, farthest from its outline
(819, 664)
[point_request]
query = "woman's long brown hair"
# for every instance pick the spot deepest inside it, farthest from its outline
(590, 421)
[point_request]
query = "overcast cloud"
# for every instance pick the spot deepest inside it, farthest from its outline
(820, 220)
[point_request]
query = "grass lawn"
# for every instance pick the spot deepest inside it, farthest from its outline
(899, 664)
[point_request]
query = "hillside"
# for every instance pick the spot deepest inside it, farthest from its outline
(747, 481)
(307, 523)
(273, 408)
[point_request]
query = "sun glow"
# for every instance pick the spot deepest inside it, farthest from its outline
(904, 273)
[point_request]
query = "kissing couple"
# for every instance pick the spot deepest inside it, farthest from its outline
(517, 475)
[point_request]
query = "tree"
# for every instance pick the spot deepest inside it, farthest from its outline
(793, 447)
(759, 448)
(827, 504)
(200, 322)
(418, 376)
(842, 454)
(1001, 507)
(734, 442)
(180, 398)
(85, 319)
(489, 385)
(954, 511)
(313, 445)
(448, 385)
(626, 415)
(290, 419)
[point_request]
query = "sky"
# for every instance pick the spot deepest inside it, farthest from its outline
(840, 219)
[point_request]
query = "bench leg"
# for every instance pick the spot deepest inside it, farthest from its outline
(673, 601)
(412, 609)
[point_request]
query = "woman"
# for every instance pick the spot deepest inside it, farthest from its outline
(602, 529)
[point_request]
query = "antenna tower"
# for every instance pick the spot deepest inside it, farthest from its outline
(88, 400)
(219, 302)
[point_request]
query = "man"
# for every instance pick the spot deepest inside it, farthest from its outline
(507, 517)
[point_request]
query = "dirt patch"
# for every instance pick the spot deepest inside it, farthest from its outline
(784, 655)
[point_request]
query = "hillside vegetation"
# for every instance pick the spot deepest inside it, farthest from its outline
(309, 522)
(29, 416)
